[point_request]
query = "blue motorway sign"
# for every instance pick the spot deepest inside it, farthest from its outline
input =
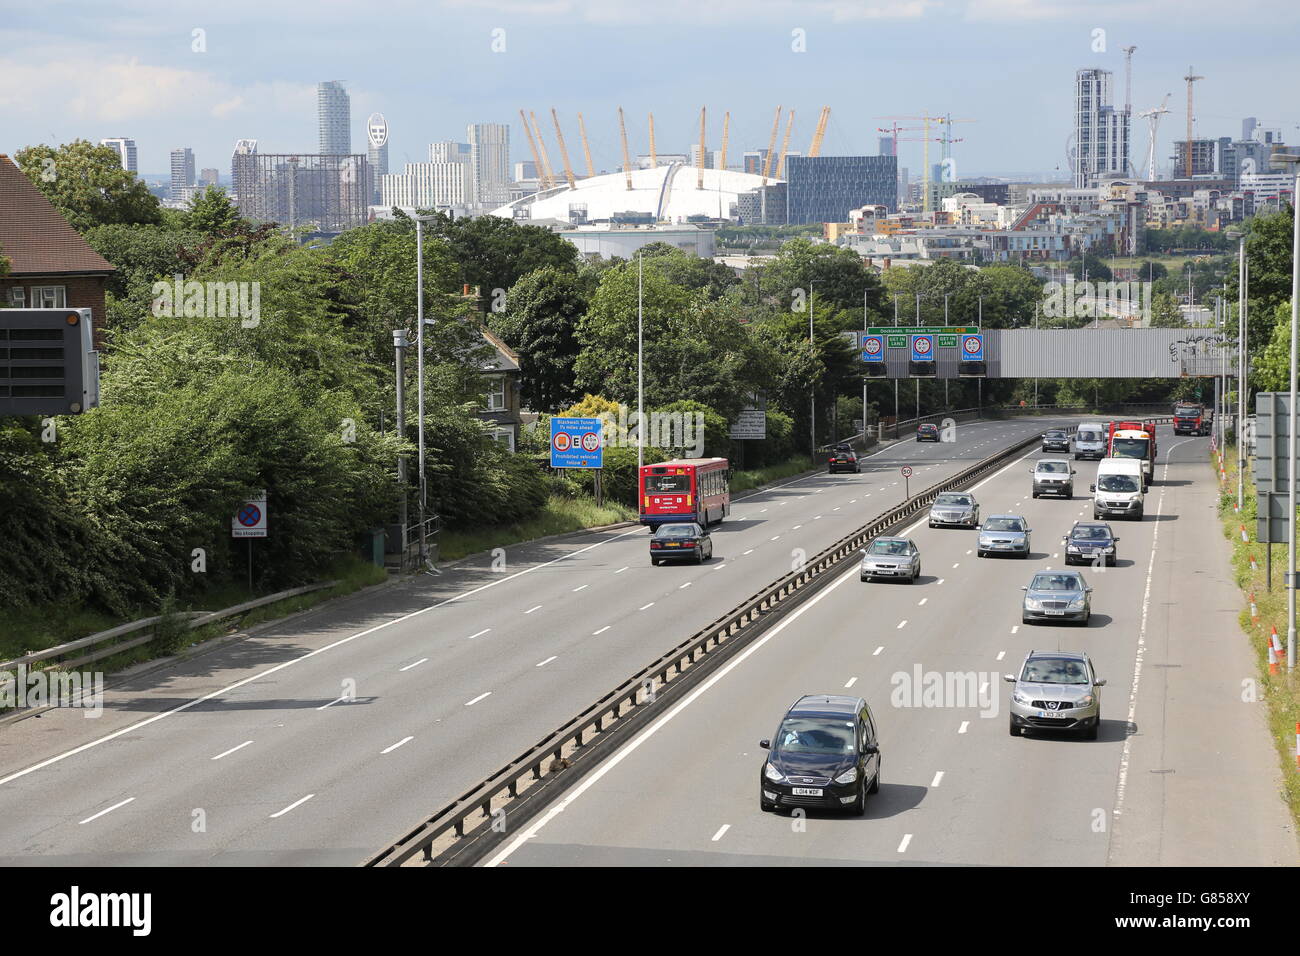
(972, 348)
(576, 443)
(922, 348)
(873, 348)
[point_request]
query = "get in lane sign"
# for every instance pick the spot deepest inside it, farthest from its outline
(576, 443)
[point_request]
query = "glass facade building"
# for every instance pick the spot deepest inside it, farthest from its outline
(825, 188)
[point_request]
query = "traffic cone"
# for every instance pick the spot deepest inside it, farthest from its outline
(1253, 565)
(1243, 534)
(1254, 611)
(1272, 660)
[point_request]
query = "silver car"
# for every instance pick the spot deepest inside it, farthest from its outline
(1056, 690)
(957, 508)
(1057, 596)
(893, 558)
(1004, 534)
(1053, 476)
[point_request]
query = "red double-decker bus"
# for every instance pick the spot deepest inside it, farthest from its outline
(686, 489)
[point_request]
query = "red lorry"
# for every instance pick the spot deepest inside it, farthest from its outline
(1134, 440)
(1191, 418)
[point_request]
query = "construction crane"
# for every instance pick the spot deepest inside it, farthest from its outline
(564, 152)
(532, 144)
(654, 157)
(947, 122)
(785, 146)
(627, 158)
(1128, 95)
(541, 148)
(726, 128)
(771, 145)
(699, 163)
(820, 134)
(1190, 78)
(1153, 123)
(586, 150)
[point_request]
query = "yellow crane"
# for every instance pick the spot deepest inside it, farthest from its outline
(1190, 78)
(532, 144)
(699, 163)
(564, 152)
(541, 147)
(771, 145)
(820, 134)
(627, 158)
(785, 146)
(654, 157)
(726, 127)
(927, 120)
(586, 150)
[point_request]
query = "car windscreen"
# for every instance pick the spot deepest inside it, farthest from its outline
(888, 547)
(1053, 467)
(954, 500)
(1187, 411)
(1090, 534)
(661, 484)
(676, 531)
(1004, 524)
(1051, 670)
(1054, 582)
(1055, 435)
(1117, 484)
(1087, 436)
(815, 735)
(1128, 448)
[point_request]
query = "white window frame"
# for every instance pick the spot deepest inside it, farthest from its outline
(58, 293)
(18, 297)
(496, 393)
(505, 436)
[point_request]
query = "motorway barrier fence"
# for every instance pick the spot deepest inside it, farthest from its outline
(472, 825)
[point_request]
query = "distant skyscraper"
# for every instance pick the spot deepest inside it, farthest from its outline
(489, 145)
(1101, 133)
(125, 147)
(1248, 127)
(887, 146)
(209, 177)
(825, 188)
(334, 116)
(377, 154)
(182, 171)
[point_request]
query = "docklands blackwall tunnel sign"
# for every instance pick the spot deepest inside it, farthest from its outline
(1084, 353)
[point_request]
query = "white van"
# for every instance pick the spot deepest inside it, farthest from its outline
(1118, 491)
(1090, 441)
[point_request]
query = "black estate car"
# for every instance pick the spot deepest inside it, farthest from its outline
(825, 755)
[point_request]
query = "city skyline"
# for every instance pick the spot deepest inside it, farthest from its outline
(158, 89)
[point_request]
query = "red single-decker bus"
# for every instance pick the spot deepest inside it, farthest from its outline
(686, 489)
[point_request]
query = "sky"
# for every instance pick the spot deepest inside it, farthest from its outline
(174, 74)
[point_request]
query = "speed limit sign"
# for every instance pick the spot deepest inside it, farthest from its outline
(906, 471)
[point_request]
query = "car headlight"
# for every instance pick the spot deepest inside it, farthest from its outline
(1077, 604)
(1073, 547)
(1085, 701)
(772, 773)
(848, 776)
(1020, 698)
(1033, 604)
(1110, 549)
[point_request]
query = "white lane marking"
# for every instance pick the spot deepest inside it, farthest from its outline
(1001, 654)
(471, 703)
(957, 565)
(580, 587)
(621, 570)
(644, 606)
(835, 509)
(415, 664)
(321, 707)
(686, 585)
(296, 803)
(815, 517)
(390, 749)
(940, 581)
(601, 631)
(855, 500)
(750, 551)
(902, 847)
(720, 567)
(901, 624)
(109, 810)
(535, 607)
(721, 830)
(479, 633)
(968, 551)
(1015, 628)
(764, 511)
(796, 527)
(921, 602)
(297, 660)
(777, 538)
(545, 662)
(877, 650)
(937, 777)
(1142, 636)
(227, 753)
(852, 681)
(597, 774)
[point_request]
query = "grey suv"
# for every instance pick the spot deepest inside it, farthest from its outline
(1056, 690)
(1053, 476)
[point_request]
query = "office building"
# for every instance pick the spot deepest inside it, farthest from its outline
(489, 146)
(887, 146)
(1203, 151)
(182, 172)
(322, 193)
(439, 184)
(526, 170)
(1101, 133)
(825, 188)
(334, 118)
(376, 152)
(209, 177)
(125, 147)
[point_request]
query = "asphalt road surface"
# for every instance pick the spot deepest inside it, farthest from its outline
(1183, 772)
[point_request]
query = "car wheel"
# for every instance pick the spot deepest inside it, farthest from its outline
(1110, 561)
(1091, 732)
(1012, 728)
(931, 524)
(655, 562)
(699, 555)
(859, 806)
(1035, 494)
(864, 578)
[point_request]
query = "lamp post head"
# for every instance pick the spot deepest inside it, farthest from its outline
(399, 339)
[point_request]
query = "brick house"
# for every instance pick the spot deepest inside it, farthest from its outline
(502, 411)
(50, 265)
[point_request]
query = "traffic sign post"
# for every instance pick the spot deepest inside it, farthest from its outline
(577, 443)
(923, 348)
(873, 348)
(250, 522)
(972, 348)
(906, 472)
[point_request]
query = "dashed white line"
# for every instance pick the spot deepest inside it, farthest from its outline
(480, 633)
(796, 527)
(964, 725)
(471, 703)
(1001, 654)
(1015, 629)
(901, 624)
(535, 607)
(937, 777)
(545, 662)
(109, 810)
(940, 581)
(296, 803)
(750, 551)
(720, 567)
(721, 830)
(601, 631)
(686, 585)
(957, 565)
(414, 664)
(621, 570)
(852, 681)
(390, 749)
(902, 847)
(580, 587)
(644, 606)
(877, 650)
(227, 753)
(776, 538)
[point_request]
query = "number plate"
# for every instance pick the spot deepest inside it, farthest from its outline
(807, 791)
(1055, 613)
(672, 544)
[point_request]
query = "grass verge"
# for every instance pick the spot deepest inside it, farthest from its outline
(1280, 691)
(749, 480)
(558, 516)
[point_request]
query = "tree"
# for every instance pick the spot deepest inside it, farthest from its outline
(540, 322)
(141, 254)
(211, 212)
(493, 253)
(689, 271)
(835, 274)
(1165, 313)
(88, 185)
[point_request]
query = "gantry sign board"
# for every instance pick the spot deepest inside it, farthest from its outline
(751, 424)
(577, 443)
(1046, 353)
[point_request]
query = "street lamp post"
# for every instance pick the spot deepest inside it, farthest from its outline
(419, 375)
(400, 345)
(895, 380)
(1291, 161)
(640, 390)
(1241, 364)
(812, 388)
